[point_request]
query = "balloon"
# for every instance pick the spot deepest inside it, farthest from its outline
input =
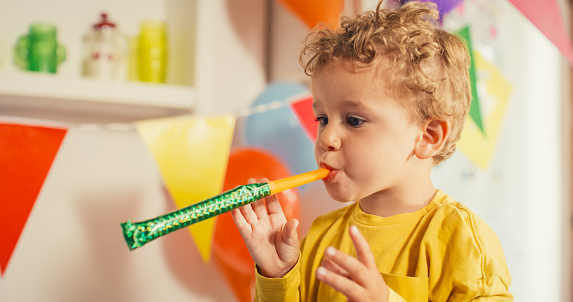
(240, 283)
(313, 12)
(279, 130)
(229, 250)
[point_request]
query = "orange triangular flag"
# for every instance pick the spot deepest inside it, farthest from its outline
(192, 155)
(26, 155)
(315, 12)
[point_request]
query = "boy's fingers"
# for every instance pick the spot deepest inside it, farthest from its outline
(363, 252)
(249, 214)
(260, 208)
(333, 267)
(239, 219)
(259, 205)
(273, 206)
(357, 271)
(272, 202)
(252, 211)
(340, 283)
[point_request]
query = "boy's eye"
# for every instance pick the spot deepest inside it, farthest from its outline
(322, 120)
(354, 121)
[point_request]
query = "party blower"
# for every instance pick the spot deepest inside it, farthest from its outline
(139, 233)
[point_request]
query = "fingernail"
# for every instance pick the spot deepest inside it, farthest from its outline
(354, 230)
(330, 251)
(321, 271)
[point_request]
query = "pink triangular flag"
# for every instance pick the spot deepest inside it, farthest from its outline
(546, 17)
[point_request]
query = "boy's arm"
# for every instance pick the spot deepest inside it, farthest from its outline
(278, 289)
(495, 290)
(474, 268)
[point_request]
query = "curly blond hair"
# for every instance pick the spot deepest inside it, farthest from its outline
(429, 66)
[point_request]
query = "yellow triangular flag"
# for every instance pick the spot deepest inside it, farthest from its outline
(192, 155)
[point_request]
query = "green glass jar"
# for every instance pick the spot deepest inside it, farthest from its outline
(39, 50)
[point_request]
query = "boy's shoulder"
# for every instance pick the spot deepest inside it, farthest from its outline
(448, 209)
(456, 226)
(442, 214)
(443, 211)
(453, 219)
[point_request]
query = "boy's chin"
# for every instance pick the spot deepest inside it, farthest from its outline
(338, 196)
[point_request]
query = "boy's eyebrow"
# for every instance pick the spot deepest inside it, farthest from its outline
(355, 104)
(348, 103)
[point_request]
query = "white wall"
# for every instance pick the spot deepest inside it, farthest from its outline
(72, 250)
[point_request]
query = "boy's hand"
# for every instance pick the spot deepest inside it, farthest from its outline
(271, 240)
(356, 278)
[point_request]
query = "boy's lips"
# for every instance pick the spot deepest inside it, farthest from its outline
(330, 177)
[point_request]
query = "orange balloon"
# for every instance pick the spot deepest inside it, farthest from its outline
(314, 12)
(240, 284)
(229, 250)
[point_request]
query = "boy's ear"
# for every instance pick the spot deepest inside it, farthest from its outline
(434, 136)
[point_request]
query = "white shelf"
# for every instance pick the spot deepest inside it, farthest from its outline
(38, 95)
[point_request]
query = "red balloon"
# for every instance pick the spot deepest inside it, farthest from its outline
(229, 250)
(314, 12)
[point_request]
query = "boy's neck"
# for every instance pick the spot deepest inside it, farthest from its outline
(398, 200)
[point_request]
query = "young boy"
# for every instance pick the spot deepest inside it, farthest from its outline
(391, 92)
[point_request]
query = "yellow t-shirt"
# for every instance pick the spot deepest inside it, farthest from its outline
(442, 252)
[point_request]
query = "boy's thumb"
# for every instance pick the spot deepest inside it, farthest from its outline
(290, 233)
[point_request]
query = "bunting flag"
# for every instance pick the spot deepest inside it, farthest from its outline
(303, 111)
(26, 155)
(546, 17)
(475, 111)
(444, 6)
(192, 155)
(474, 143)
(316, 12)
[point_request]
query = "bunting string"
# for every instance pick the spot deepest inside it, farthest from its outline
(127, 127)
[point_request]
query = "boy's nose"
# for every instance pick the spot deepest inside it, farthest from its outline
(329, 139)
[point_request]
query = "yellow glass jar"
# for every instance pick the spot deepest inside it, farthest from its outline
(152, 52)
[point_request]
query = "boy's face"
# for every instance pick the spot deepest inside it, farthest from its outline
(365, 137)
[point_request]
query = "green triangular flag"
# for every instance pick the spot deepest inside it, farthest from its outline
(475, 112)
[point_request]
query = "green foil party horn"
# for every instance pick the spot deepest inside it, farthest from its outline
(137, 234)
